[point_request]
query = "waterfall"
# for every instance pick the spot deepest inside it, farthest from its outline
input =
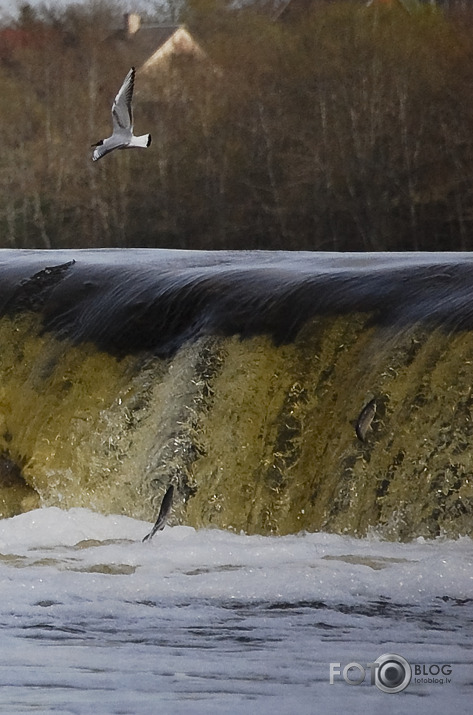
(277, 391)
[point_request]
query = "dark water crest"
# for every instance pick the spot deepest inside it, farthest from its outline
(127, 301)
(242, 378)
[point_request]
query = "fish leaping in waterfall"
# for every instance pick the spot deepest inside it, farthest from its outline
(122, 118)
(166, 505)
(365, 418)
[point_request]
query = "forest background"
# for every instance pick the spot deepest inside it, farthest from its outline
(347, 128)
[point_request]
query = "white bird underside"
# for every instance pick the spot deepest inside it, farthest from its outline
(122, 118)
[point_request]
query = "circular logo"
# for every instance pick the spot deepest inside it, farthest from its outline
(393, 673)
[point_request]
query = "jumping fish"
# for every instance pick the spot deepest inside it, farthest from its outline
(166, 505)
(365, 418)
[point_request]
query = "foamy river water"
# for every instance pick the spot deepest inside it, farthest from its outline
(93, 620)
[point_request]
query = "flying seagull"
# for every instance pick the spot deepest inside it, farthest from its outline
(122, 118)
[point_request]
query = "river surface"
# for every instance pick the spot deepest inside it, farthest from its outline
(208, 621)
(306, 568)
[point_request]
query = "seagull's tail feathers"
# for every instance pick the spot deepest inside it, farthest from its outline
(142, 141)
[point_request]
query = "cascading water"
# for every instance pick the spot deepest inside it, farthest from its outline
(240, 377)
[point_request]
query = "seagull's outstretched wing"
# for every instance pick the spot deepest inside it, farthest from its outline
(100, 151)
(122, 114)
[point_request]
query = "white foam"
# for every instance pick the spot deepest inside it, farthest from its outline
(222, 621)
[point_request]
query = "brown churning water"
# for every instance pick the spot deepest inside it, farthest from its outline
(235, 377)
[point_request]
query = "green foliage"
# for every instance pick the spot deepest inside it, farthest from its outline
(346, 129)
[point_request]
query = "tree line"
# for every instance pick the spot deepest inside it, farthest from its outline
(346, 128)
